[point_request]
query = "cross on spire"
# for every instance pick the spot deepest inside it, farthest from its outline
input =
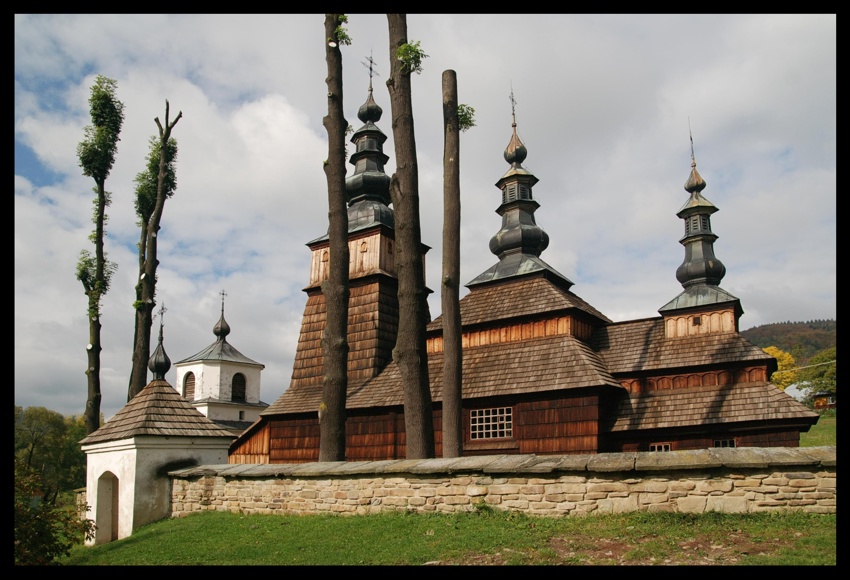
(223, 294)
(691, 135)
(370, 64)
(162, 311)
(513, 105)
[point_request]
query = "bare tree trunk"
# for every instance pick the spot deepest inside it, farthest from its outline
(145, 304)
(410, 350)
(450, 289)
(335, 288)
(92, 412)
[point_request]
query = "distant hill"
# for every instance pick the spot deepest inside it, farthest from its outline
(801, 339)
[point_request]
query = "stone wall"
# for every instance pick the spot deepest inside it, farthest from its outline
(724, 480)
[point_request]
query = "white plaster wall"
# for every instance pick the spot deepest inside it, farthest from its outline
(215, 379)
(144, 495)
(119, 458)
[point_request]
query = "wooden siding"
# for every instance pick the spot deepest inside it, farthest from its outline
(568, 424)
(638, 441)
(254, 449)
(711, 322)
(519, 331)
(372, 324)
(368, 254)
(707, 378)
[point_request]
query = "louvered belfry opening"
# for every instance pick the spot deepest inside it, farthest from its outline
(189, 387)
(237, 393)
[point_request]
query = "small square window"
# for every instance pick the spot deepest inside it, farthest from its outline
(496, 423)
(697, 320)
(659, 447)
(724, 443)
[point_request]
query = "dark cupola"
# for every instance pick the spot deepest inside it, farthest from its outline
(520, 241)
(159, 363)
(701, 272)
(368, 189)
(700, 265)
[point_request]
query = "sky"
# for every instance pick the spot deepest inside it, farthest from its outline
(605, 104)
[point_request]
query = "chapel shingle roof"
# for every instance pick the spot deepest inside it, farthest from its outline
(157, 409)
(640, 345)
(708, 405)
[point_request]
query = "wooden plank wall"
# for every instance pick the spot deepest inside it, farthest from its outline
(518, 332)
(679, 442)
(708, 378)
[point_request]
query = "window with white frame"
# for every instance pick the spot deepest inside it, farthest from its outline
(724, 443)
(494, 423)
(659, 447)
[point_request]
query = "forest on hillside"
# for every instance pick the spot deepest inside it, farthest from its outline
(802, 339)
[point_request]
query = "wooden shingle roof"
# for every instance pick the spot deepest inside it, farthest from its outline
(536, 365)
(157, 410)
(521, 297)
(640, 345)
(709, 406)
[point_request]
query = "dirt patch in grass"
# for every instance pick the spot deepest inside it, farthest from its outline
(697, 551)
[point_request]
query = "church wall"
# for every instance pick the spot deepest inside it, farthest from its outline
(634, 442)
(569, 424)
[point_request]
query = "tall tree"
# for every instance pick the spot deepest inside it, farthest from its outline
(335, 289)
(819, 375)
(96, 154)
(153, 186)
(785, 374)
(410, 350)
(450, 287)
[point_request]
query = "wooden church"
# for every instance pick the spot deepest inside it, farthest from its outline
(544, 372)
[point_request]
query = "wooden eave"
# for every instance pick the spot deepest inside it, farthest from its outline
(641, 346)
(710, 405)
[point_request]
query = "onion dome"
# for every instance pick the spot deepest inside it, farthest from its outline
(159, 363)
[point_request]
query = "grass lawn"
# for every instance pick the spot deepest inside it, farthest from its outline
(474, 538)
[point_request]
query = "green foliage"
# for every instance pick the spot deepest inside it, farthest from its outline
(147, 181)
(820, 374)
(785, 374)
(411, 55)
(341, 32)
(48, 443)
(465, 117)
(43, 532)
(96, 153)
(801, 339)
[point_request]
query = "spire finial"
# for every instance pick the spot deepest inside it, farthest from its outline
(371, 67)
(513, 106)
(159, 363)
(162, 311)
(221, 328)
(695, 183)
(691, 135)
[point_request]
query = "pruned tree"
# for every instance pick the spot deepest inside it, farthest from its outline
(153, 186)
(450, 287)
(96, 154)
(410, 350)
(335, 289)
